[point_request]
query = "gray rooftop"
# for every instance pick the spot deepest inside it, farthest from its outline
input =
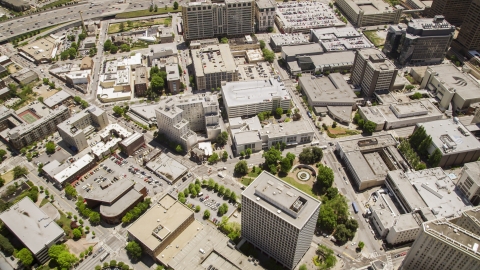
(59, 97)
(25, 128)
(244, 137)
(453, 78)
(332, 88)
(333, 59)
(266, 4)
(447, 133)
(251, 92)
(431, 26)
(288, 39)
(135, 136)
(141, 75)
(369, 6)
(401, 111)
(167, 166)
(473, 170)
(213, 59)
(376, 59)
(282, 199)
(145, 111)
(111, 193)
(31, 225)
(313, 48)
(121, 204)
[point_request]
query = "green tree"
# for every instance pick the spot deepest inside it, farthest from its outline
(342, 234)
(224, 40)
(70, 191)
(82, 36)
(3, 153)
(179, 149)
(114, 49)
(197, 208)
(130, 23)
(417, 137)
(213, 158)
(125, 47)
(369, 126)
(303, 267)
(268, 55)
(306, 156)
(248, 152)
(327, 219)
(155, 8)
(223, 209)
(150, 8)
(122, 26)
(25, 256)
(435, 158)
(332, 192)
(94, 217)
(411, 87)
(317, 153)
(107, 45)
(233, 196)
(241, 168)
(157, 83)
(118, 110)
(424, 145)
(50, 146)
(134, 250)
(262, 44)
(19, 171)
(175, 5)
(2, 182)
(242, 154)
(279, 111)
(222, 138)
(77, 233)
(285, 165)
(324, 178)
(206, 214)
(221, 190)
(361, 245)
(352, 225)
(225, 155)
(6, 246)
(272, 156)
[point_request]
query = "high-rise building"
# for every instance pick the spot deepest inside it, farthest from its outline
(278, 219)
(442, 244)
(424, 41)
(207, 19)
(372, 71)
(265, 14)
(453, 10)
(469, 35)
(469, 182)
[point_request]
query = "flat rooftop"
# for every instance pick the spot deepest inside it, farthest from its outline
(266, 3)
(340, 38)
(446, 132)
(57, 98)
(167, 166)
(306, 15)
(282, 199)
(31, 225)
(369, 6)
(313, 48)
(331, 88)
(111, 193)
(333, 59)
(251, 92)
(213, 59)
(401, 111)
(121, 204)
(167, 216)
(463, 84)
(288, 39)
(42, 48)
(377, 60)
(141, 75)
(368, 143)
(454, 235)
(74, 167)
(132, 138)
(472, 169)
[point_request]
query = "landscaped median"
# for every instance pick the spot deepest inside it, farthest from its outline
(145, 12)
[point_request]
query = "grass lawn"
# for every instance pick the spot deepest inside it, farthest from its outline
(115, 27)
(8, 177)
(410, 79)
(43, 202)
(255, 173)
(341, 132)
(146, 12)
(64, 222)
(303, 187)
(374, 38)
(247, 180)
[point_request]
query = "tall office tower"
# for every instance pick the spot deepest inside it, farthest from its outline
(265, 14)
(278, 219)
(424, 41)
(372, 71)
(469, 35)
(453, 10)
(207, 20)
(444, 245)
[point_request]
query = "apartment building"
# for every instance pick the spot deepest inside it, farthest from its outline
(423, 41)
(33, 227)
(265, 14)
(25, 134)
(141, 81)
(74, 131)
(454, 11)
(469, 220)
(180, 117)
(369, 12)
(213, 64)
(132, 143)
(278, 219)
(469, 35)
(469, 182)
(372, 71)
(249, 98)
(63, 174)
(442, 244)
(173, 78)
(227, 18)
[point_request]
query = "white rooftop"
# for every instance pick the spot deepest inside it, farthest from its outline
(250, 92)
(76, 166)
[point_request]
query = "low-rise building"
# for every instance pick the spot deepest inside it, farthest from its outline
(277, 41)
(249, 133)
(454, 141)
(132, 143)
(24, 76)
(167, 168)
(398, 115)
(370, 159)
(59, 98)
(173, 78)
(328, 92)
(213, 64)
(469, 182)
(40, 51)
(25, 134)
(158, 51)
(370, 12)
(141, 81)
(62, 174)
(291, 53)
(247, 98)
(334, 39)
(328, 62)
(78, 77)
(35, 229)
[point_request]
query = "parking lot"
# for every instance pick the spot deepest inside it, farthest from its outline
(211, 201)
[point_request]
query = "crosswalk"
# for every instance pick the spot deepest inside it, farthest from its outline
(389, 262)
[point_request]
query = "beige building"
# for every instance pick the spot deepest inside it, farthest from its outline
(369, 12)
(40, 51)
(213, 64)
(226, 18)
(372, 71)
(265, 14)
(173, 78)
(469, 182)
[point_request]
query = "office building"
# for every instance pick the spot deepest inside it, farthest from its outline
(265, 14)
(469, 35)
(74, 131)
(420, 5)
(24, 76)
(213, 64)
(277, 41)
(442, 244)
(369, 12)
(166, 168)
(291, 53)
(469, 182)
(398, 115)
(469, 220)
(115, 199)
(25, 134)
(331, 62)
(40, 51)
(249, 133)
(62, 174)
(372, 71)
(130, 144)
(369, 160)
(278, 219)
(326, 93)
(180, 117)
(248, 98)
(334, 39)
(423, 41)
(33, 227)
(141, 81)
(8, 118)
(454, 11)
(59, 98)
(173, 78)
(78, 77)
(454, 141)
(230, 18)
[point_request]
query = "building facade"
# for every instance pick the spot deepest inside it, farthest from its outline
(369, 12)
(173, 78)
(265, 14)
(469, 35)
(453, 10)
(424, 41)
(469, 182)
(278, 219)
(229, 18)
(141, 81)
(372, 71)
(132, 143)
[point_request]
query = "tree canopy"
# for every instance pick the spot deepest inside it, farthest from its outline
(25, 256)
(310, 155)
(241, 167)
(134, 250)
